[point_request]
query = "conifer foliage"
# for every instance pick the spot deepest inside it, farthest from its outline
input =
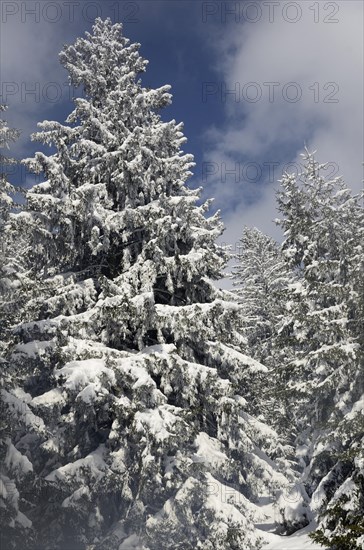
(260, 278)
(302, 313)
(140, 406)
(7, 205)
(15, 468)
(130, 386)
(324, 236)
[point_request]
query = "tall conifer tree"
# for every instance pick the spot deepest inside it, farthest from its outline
(132, 388)
(324, 235)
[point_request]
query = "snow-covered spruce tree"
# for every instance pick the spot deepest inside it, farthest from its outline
(7, 233)
(339, 497)
(261, 280)
(324, 235)
(135, 421)
(14, 468)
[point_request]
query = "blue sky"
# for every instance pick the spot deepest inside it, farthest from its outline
(295, 70)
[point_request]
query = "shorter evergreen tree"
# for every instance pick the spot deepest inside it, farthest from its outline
(324, 232)
(15, 468)
(260, 279)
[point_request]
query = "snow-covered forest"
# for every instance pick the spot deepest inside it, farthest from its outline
(141, 406)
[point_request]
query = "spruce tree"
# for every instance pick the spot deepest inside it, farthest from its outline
(136, 422)
(8, 270)
(16, 469)
(260, 278)
(324, 233)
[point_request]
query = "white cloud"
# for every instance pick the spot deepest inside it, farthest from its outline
(305, 53)
(34, 84)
